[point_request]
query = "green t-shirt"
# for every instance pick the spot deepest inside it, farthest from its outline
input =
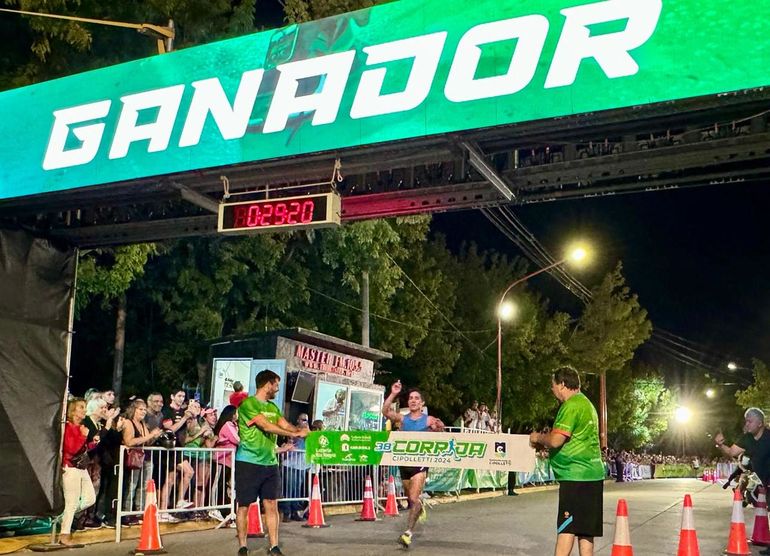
(579, 458)
(256, 446)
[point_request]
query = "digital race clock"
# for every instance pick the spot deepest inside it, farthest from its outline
(308, 211)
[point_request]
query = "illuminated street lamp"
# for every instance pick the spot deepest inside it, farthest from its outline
(682, 415)
(506, 310)
(732, 366)
(710, 393)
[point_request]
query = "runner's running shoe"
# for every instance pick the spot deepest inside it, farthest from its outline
(405, 540)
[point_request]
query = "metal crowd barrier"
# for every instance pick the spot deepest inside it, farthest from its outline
(541, 475)
(724, 470)
(187, 480)
(340, 484)
(468, 430)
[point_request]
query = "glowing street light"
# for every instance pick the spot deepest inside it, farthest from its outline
(576, 255)
(506, 311)
(710, 393)
(732, 366)
(682, 415)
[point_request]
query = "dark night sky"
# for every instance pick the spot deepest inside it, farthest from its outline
(697, 258)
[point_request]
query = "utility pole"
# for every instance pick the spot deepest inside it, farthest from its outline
(603, 410)
(365, 308)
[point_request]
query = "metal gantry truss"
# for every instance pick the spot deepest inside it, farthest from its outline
(691, 143)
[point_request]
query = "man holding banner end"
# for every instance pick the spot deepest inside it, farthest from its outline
(413, 478)
(257, 474)
(576, 461)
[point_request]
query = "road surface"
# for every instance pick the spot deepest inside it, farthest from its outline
(523, 525)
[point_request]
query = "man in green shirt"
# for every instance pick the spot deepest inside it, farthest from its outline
(257, 475)
(576, 460)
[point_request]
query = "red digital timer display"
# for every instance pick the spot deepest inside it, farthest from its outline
(273, 214)
(278, 213)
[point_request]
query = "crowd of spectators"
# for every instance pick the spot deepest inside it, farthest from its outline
(628, 456)
(97, 427)
(479, 417)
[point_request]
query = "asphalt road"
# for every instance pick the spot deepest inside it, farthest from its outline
(521, 525)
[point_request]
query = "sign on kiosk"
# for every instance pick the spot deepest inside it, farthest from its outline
(400, 70)
(302, 356)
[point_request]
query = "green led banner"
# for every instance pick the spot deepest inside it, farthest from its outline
(491, 452)
(401, 70)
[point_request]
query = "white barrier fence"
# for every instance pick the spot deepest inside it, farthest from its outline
(187, 480)
(469, 430)
(193, 481)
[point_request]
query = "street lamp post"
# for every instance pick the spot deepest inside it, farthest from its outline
(503, 313)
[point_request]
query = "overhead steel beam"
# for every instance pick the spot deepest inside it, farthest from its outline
(477, 160)
(138, 232)
(704, 156)
(419, 201)
(198, 199)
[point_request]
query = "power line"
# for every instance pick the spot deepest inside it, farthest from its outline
(446, 319)
(388, 319)
(515, 230)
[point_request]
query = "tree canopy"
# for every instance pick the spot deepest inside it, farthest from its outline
(431, 306)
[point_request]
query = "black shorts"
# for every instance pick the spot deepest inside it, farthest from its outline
(409, 472)
(254, 481)
(580, 508)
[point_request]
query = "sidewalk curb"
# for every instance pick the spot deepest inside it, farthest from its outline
(9, 545)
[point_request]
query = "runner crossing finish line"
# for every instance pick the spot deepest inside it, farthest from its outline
(418, 446)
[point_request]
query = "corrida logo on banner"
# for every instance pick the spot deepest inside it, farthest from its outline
(497, 452)
(397, 71)
(431, 451)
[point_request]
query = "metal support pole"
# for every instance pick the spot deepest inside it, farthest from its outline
(498, 400)
(603, 410)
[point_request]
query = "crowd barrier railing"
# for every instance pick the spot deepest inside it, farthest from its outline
(191, 480)
(541, 475)
(724, 470)
(187, 480)
(468, 430)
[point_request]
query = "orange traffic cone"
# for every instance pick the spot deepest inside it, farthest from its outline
(621, 546)
(316, 514)
(761, 534)
(255, 521)
(688, 540)
(391, 506)
(149, 536)
(736, 544)
(368, 513)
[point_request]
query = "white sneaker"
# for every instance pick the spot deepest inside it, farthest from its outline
(167, 518)
(216, 514)
(184, 504)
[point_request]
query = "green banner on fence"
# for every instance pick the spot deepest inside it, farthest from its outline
(496, 452)
(400, 70)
